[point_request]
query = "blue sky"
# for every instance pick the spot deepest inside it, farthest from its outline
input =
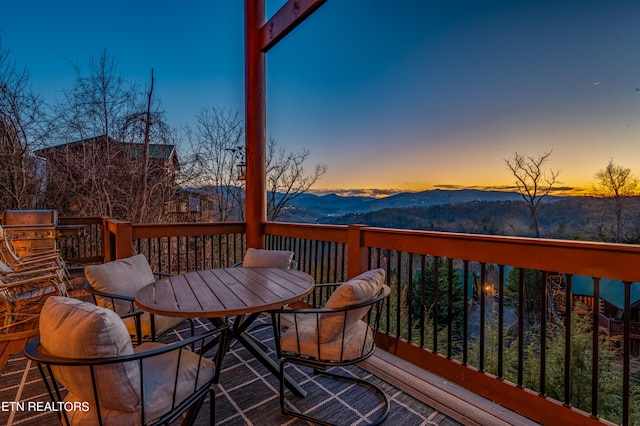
(390, 95)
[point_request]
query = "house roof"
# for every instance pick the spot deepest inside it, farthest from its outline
(158, 151)
(610, 290)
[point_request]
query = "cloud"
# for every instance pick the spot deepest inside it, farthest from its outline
(359, 192)
(386, 192)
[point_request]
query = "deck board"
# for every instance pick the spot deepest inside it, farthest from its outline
(453, 400)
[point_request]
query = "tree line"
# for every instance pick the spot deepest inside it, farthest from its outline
(607, 215)
(105, 134)
(614, 183)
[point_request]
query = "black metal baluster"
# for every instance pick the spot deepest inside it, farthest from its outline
(567, 342)
(501, 321)
(196, 248)
(344, 260)
(595, 330)
(482, 315)
(179, 257)
(159, 243)
(465, 313)
(305, 260)
(388, 305)
(543, 333)
(520, 326)
(423, 281)
(409, 300)
(450, 309)
(398, 295)
(626, 353)
(169, 245)
(436, 308)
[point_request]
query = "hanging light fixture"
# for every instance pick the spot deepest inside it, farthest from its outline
(238, 155)
(242, 171)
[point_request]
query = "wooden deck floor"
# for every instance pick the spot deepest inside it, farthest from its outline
(452, 400)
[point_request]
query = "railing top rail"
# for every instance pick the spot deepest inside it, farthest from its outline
(140, 230)
(80, 221)
(605, 260)
(331, 233)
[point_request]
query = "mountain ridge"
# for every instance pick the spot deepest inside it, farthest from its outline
(315, 206)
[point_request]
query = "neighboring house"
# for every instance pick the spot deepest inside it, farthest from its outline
(610, 309)
(192, 205)
(207, 204)
(108, 172)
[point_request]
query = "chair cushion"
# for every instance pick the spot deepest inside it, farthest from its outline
(359, 289)
(70, 328)
(159, 378)
(257, 258)
(301, 339)
(122, 276)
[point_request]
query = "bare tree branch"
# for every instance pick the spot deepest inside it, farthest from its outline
(617, 183)
(287, 178)
(532, 181)
(23, 127)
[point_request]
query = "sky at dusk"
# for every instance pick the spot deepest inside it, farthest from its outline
(390, 95)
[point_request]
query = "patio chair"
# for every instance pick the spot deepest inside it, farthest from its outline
(259, 258)
(10, 260)
(114, 285)
(22, 296)
(53, 272)
(341, 333)
(86, 350)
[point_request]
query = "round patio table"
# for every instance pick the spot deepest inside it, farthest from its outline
(218, 293)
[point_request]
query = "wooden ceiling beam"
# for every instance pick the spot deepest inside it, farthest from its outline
(290, 15)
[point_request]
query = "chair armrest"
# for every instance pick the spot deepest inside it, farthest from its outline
(90, 289)
(327, 285)
(36, 263)
(162, 274)
(384, 292)
(137, 313)
(29, 273)
(19, 280)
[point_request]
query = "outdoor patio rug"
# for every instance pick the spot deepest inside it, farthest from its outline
(247, 393)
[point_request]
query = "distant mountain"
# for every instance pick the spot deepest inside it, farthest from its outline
(330, 204)
(438, 197)
(310, 206)
(569, 218)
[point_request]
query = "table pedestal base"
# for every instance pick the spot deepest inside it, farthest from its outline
(238, 332)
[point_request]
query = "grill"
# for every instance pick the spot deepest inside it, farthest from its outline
(33, 231)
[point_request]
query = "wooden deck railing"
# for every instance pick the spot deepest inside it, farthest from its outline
(479, 348)
(85, 247)
(454, 310)
(614, 327)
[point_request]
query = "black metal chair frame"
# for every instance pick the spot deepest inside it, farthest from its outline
(193, 403)
(138, 324)
(320, 366)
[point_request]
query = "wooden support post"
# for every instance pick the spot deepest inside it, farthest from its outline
(357, 261)
(255, 124)
(117, 239)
